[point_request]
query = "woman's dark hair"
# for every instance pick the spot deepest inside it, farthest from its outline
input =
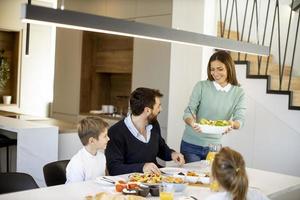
(229, 170)
(141, 98)
(226, 59)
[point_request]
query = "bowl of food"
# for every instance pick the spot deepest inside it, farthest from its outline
(180, 175)
(213, 126)
(176, 182)
(191, 177)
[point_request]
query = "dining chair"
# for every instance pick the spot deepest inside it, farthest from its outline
(16, 181)
(7, 142)
(55, 172)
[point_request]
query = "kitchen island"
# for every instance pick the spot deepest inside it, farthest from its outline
(37, 145)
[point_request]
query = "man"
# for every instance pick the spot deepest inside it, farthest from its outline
(136, 141)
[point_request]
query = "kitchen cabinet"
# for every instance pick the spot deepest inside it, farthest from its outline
(106, 71)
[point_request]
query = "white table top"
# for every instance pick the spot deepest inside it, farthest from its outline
(271, 184)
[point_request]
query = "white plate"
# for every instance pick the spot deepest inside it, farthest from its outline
(172, 170)
(213, 129)
(204, 180)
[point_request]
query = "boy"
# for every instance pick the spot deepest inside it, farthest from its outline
(89, 162)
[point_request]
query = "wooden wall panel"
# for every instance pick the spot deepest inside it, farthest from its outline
(106, 71)
(87, 73)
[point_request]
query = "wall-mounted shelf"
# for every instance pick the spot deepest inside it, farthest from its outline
(9, 41)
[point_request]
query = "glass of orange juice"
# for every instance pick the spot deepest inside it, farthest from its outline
(210, 156)
(166, 191)
(213, 150)
(214, 185)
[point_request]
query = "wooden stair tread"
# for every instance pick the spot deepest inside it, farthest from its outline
(273, 69)
(253, 58)
(295, 82)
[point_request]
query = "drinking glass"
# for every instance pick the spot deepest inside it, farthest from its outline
(214, 185)
(166, 192)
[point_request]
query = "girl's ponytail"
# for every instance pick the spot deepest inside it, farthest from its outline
(229, 170)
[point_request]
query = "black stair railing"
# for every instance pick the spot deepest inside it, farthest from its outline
(276, 18)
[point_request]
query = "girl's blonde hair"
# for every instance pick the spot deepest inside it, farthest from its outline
(229, 170)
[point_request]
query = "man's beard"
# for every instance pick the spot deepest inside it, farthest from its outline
(152, 118)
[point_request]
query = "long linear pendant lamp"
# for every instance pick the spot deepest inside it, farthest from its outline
(95, 23)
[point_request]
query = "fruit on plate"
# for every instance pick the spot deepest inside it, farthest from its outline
(204, 121)
(132, 185)
(192, 173)
(120, 185)
(146, 178)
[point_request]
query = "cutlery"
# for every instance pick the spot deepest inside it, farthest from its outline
(193, 197)
(108, 180)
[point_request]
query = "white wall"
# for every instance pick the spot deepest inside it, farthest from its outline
(151, 66)
(37, 69)
(270, 138)
(67, 74)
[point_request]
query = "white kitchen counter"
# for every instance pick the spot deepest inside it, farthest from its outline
(37, 145)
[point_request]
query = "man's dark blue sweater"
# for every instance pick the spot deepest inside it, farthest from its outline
(126, 154)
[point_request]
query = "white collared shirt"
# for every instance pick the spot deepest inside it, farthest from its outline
(135, 132)
(84, 166)
(220, 88)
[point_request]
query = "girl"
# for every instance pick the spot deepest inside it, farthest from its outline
(229, 170)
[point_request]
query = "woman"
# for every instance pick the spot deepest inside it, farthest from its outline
(228, 169)
(218, 98)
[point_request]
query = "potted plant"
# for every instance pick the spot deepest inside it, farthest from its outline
(4, 75)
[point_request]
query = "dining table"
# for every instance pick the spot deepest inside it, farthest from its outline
(274, 185)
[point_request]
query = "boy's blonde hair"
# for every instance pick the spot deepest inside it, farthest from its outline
(89, 127)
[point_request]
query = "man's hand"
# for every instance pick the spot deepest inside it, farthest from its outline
(178, 158)
(151, 168)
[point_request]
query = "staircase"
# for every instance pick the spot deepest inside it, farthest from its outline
(271, 73)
